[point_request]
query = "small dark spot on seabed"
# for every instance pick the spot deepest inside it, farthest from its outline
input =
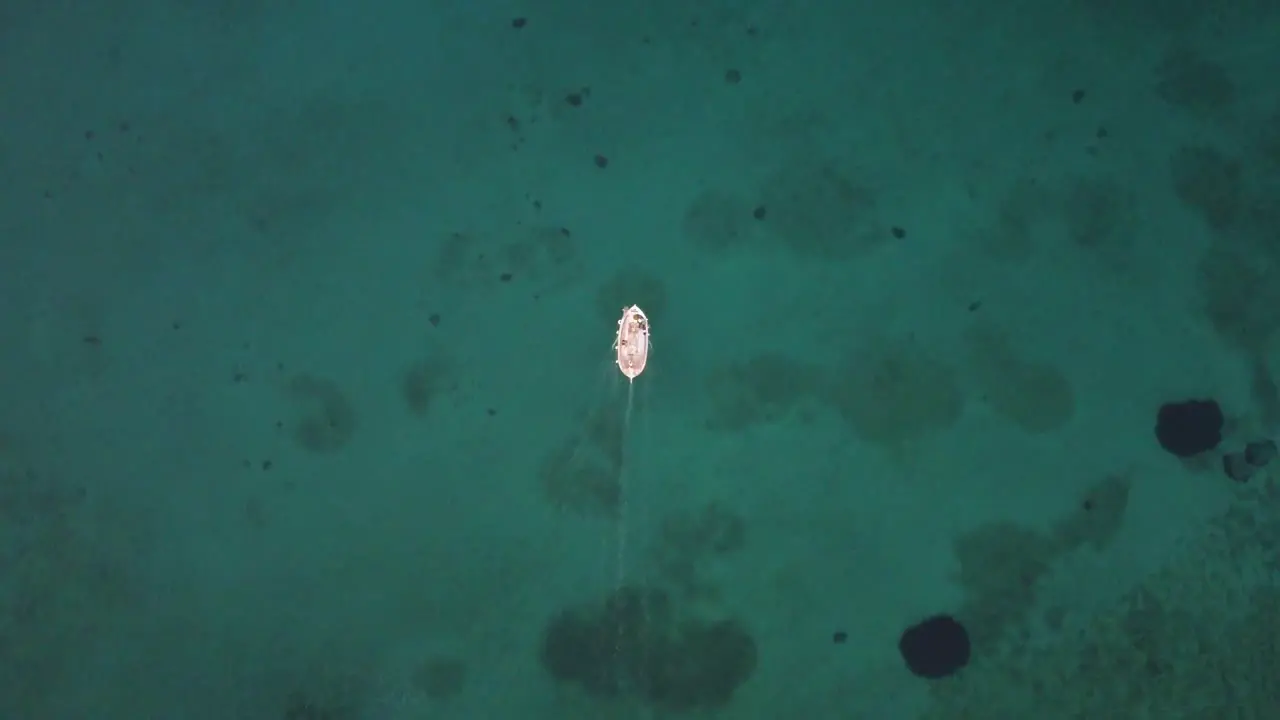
(505, 277)
(899, 233)
(434, 319)
(601, 161)
(759, 213)
(733, 77)
(1077, 96)
(519, 22)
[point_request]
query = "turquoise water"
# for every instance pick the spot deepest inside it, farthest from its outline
(310, 404)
